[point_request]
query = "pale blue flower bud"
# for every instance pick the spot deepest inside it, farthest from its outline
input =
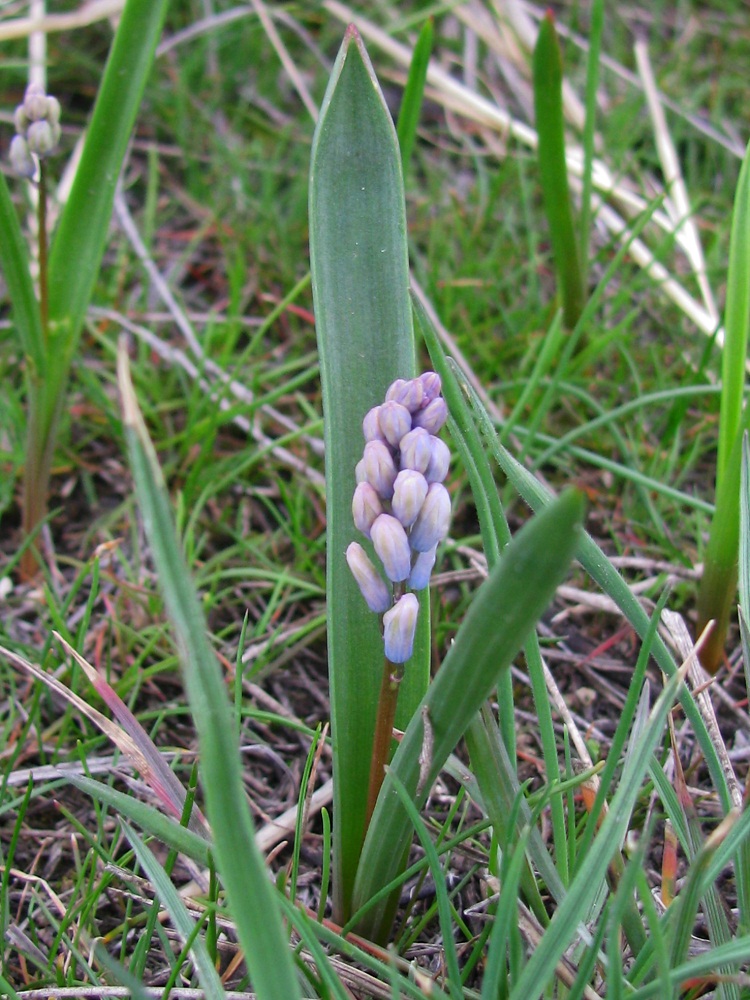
(399, 627)
(416, 450)
(366, 506)
(440, 460)
(370, 582)
(431, 386)
(433, 416)
(422, 568)
(409, 492)
(360, 475)
(395, 422)
(391, 546)
(380, 469)
(408, 393)
(371, 425)
(431, 526)
(20, 158)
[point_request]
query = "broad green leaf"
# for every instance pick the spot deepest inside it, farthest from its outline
(505, 609)
(358, 255)
(252, 897)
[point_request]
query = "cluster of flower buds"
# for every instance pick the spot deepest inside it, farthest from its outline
(401, 505)
(37, 123)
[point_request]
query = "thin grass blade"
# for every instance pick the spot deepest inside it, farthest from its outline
(181, 919)
(14, 262)
(252, 898)
(553, 171)
(718, 585)
(411, 103)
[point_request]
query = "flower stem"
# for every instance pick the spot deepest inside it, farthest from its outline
(392, 676)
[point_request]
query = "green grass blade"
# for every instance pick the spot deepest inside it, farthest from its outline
(504, 611)
(574, 909)
(411, 103)
(719, 582)
(359, 262)
(251, 896)
(553, 171)
(155, 823)
(589, 129)
(178, 914)
(590, 555)
(14, 262)
(78, 245)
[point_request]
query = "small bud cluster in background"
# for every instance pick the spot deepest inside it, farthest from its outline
(37, 123)
(401, 505)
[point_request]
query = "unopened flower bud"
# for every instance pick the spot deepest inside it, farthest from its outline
(395, 422)
(392, 547)
(371, 425)
(416, 450)
(409, 492)
(380, 469)
(440, 460)
(431, 386)
(422, 569)
(366, 506)
(20, 120)
(374, 589)
(399, 627)
(433, 416)
(40, 138)
(20, 158)
(35, 102)
(408, 393)
(432, 523)
(53, 110)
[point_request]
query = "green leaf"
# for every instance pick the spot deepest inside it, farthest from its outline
(251, 895)
(411, 103)
(505, 609)
(718, 585)
(181, 920)
(360, 276)
(14, 260)
(553, 171)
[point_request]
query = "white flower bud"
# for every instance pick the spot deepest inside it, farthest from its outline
(20, 158)
(40, 138)
(399, 627)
